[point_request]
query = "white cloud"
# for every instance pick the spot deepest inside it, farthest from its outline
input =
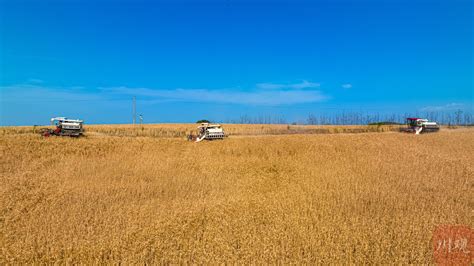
(346, 86)
(39, 93)
(275, 86)
(446, 107)
(35, 81)
(276, 96)
(253, 97)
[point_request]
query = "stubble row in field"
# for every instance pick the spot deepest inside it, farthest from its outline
(182, 130)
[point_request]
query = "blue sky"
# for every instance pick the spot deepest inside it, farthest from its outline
(186, 60)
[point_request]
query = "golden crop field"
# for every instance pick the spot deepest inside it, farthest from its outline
(121, 196)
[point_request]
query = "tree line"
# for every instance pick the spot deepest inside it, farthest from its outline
(457, 117)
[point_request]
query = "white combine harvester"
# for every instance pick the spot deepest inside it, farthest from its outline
(419, 125)
(64, 127)
(209, 132)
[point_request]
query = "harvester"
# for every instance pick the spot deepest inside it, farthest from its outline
(419, 125)
(209, 132)
(64, 127)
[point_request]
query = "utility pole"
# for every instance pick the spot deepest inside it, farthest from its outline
(134, 109)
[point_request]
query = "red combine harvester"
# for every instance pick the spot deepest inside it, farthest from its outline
(64, 127)
(420, 125)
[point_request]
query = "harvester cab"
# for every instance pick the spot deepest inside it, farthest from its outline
(419, 125)
(210, 132)
(64, 127)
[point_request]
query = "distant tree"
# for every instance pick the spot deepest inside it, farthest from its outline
(202, 121)
(383, 123)
(458, 117)
(312, 120)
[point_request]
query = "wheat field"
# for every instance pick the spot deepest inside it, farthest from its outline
(258, 198)
(182, 130)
